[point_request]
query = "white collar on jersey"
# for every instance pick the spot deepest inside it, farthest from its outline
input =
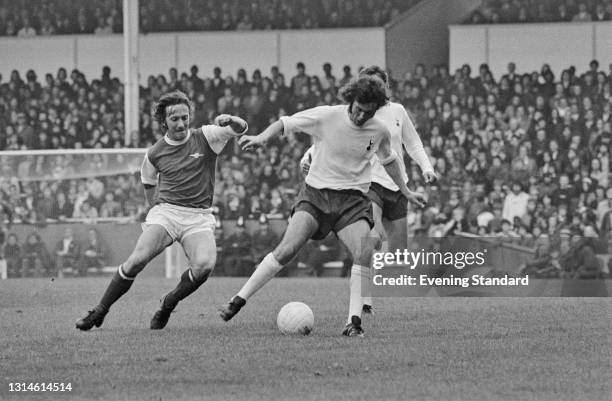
(175, 143)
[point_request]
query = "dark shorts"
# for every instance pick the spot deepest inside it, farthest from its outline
(333, 209)
(394, 205)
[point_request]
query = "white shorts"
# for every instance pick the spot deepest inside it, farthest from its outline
(181, 221)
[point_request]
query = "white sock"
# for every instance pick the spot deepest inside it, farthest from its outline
(267, 269)
(358, 274)
(367, 287)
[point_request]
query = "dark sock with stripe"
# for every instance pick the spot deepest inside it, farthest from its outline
(119, 285)
(184, 288)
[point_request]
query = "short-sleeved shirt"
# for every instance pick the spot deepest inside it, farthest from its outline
(342, 150)
(185, 170)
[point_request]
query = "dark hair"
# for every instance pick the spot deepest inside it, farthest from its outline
(365, 90)
(170, 99)
(376, 71)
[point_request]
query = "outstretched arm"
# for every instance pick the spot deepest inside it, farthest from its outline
(306, 121)
(389, 159)
(248, 142)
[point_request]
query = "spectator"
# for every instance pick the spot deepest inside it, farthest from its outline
(36, 261)
(26, 31)
(86, 212)
(12, 255)
(238, 252)
(328, 83)
(347, 77)
(580, 260)
(94, 254)
(62, 207)
(515, 203)
(583, 15)
(24, 132)
(110, 207)
(67, 253)
(300, 81)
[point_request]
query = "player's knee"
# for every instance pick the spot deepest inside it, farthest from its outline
(285, 252)
(134, 264)
(363, 255)
(202, 267)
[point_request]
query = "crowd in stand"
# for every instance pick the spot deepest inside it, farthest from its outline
(49, 17)
(524, 11)
(519, 155)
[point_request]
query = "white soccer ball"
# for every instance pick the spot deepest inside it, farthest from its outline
(295, 318)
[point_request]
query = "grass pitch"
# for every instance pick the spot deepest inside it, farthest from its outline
(414, 348)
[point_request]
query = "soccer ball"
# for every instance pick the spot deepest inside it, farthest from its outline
(295, 318)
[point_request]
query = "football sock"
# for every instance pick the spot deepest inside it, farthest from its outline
(267, 269)
(119, 285)
(358, 274)
(367, 286)
(186, 286)
(367, 289)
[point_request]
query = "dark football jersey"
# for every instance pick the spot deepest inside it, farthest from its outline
(185, 170)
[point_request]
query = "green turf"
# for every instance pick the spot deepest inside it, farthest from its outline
(414, 349)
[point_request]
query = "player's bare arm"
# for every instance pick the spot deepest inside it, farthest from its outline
(389, 160)
(237, 124)
(414, 147)
(248, 142)
(149, 192)
(306, 161)
(148, 176)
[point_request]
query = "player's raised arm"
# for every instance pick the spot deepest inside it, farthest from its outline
(238, 125)
(389, 159)
(225, 127)
(414, 147)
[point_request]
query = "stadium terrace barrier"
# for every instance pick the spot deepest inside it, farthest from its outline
(120, 238)
(501, 256)
(530, 46)
(161, 51)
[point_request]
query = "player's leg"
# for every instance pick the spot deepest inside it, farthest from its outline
(377, 232)
(356, 237)
(151, 242)
(301, 227)
(397, 233)
(201, 251)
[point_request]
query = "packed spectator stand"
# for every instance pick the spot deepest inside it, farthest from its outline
(526, 11)
(518, 155)
(105, 17)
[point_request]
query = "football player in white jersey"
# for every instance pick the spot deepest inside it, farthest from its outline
(388, 203)
(334, 196)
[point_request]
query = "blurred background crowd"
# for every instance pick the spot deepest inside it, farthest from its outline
(522, 11)
(51, 17)
(519, 154)
(523, 156)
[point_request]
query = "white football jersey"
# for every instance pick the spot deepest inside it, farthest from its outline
(341, 158)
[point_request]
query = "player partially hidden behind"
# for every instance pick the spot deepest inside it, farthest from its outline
(182, 166)
(334, 196)
(388, 203)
